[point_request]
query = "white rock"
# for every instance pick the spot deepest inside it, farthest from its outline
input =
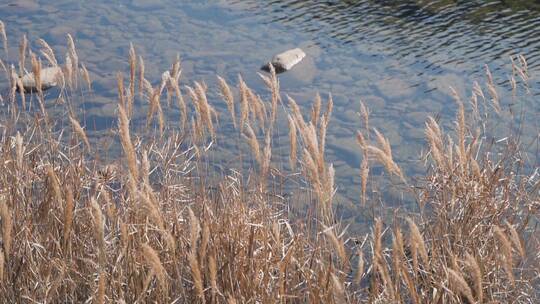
(285, 61)
(49, 78)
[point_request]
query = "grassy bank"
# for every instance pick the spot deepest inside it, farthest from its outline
(157, 225)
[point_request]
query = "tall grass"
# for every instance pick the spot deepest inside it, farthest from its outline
(154, 226)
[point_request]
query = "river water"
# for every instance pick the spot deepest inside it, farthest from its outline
(399, 57)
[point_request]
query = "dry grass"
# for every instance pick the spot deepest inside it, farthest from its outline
(157, 226)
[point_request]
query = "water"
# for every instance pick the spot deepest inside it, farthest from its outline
(399, 57)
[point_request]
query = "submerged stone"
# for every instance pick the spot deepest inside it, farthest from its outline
(285, 61)
(48, 78)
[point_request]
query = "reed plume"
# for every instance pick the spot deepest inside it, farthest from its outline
(434, 136)
(364, 114)
(417, 241)
(205, 108)
(244, 102)
(69, 210)
(19, 150)
(121, 90)
(336, 243)
(79, 131)
(7, 228)
(4, 37)
(253, 143)
(516, 241)
(99, 229)
(476, 274)
(102, 281)
(125, 138)
(293, 141)
(72, 54)
(338, 290)
(54, 185)
(195, 229)
(141, 76)
(2, 265)
(316, 110)
(359, 268)
(86, 76)
(132, 71)
(364, 175)
(459, 285)
(22, 55)
(212, 266)
(492, 90)
(153, 261)
(506, 253)
(47, 52)
(228, 97)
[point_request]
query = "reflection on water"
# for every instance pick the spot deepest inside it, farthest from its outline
(399, 57)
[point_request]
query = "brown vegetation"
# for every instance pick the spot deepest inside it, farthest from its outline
(151, 226)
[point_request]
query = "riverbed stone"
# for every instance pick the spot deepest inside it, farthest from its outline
(394, 88)
(346, 150)
(416, 118)
(442, 83)
(20, 7)
(373, 102)
(350, 116)
(305, 71)
(145, 4)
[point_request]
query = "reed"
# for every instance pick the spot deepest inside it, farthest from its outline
(22, 54)
(228, 97)
(4, 37)
(47, 52)
(86, 76)
(7, 230)
(74, 60)
(132, 71)
(160, 225)
(79, 131)
(69, 210)
(99, 228)
(293, 143)
(253, 144)
(129, 150)
(152, 259)
(459, 285)
(506, 253)
(476, 274)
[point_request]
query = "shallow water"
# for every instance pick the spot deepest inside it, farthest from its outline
(400, 57)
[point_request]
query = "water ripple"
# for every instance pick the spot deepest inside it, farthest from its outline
(465, 30)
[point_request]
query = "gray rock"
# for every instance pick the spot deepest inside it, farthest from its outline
(285, 61)
(48, 76)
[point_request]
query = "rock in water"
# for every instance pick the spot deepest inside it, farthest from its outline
(48, 77)
(285, 61)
